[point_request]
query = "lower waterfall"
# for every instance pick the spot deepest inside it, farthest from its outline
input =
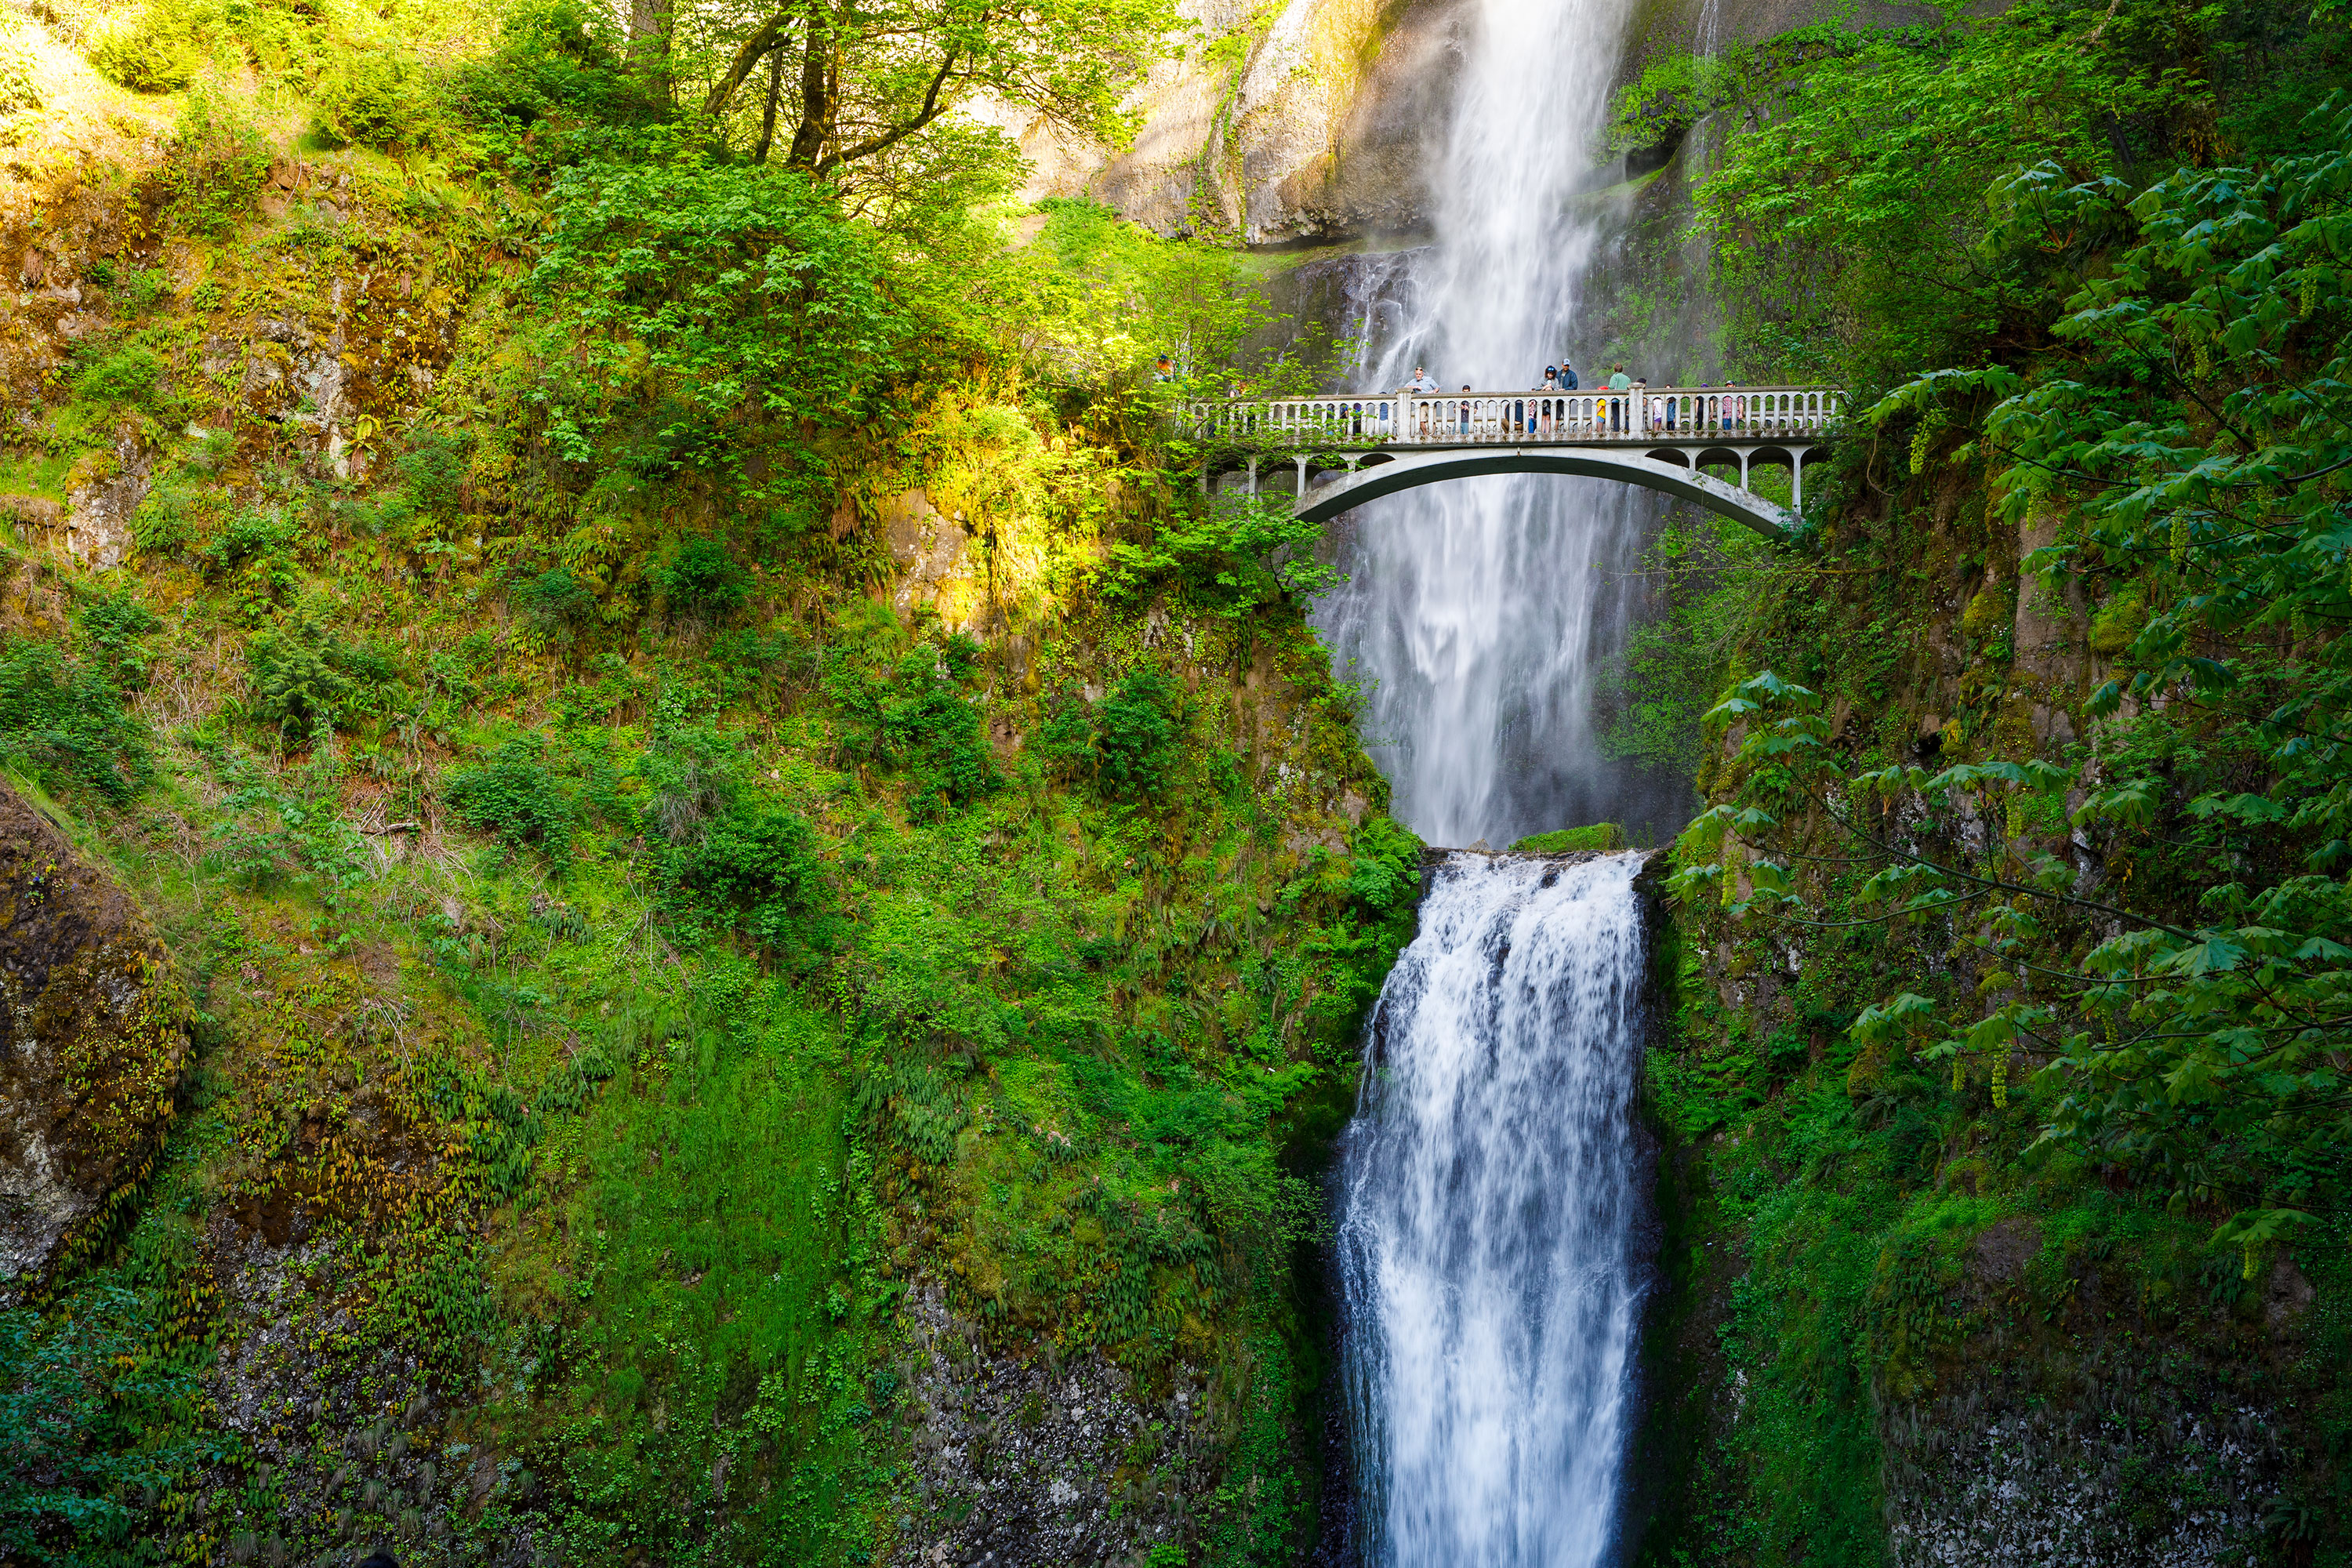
(1490, 1248)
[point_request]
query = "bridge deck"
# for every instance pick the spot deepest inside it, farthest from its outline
(1646, 415)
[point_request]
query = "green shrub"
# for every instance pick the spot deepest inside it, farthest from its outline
(702, 580)
(378, 99)
(116, 626)
(757, 865)
(919, 723)
(127, 375)
(164, 522)
(1135, 737)
(64, 720)
(296, 684)
(213, 165)
(1386, 873)
(555, 602)
(1125, 746)
(147, 51)
(18, 91)
(432, 469)
(249, 535)
(513, 796)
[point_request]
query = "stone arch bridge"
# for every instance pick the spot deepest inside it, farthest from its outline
(1348, 450)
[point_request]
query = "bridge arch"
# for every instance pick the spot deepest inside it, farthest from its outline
(1332, 494)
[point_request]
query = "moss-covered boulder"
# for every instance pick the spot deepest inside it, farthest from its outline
(92, 1041)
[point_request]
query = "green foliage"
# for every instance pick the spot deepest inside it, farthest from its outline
(378, 98)
(78, 1391)
(1600, 837)
(703, 580)
(759, 867)
(1126, 744)
(917, 721)
(127, 374)
(743, 289)
(513, 794)
(213, 165)
(556, 602)
(148, 48)
(19, 91)
(63, 721)
(1848, 210)
(1233, 555)
(304, 678)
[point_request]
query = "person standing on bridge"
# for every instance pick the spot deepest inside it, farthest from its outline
(1568, 380)
(1465, 408)
(1423, 384)
(1618, 381)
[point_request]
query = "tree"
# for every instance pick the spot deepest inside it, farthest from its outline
(2194, 445)
(871, 74)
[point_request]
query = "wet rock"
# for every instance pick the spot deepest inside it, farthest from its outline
(92, 1041)
(1027, 1458)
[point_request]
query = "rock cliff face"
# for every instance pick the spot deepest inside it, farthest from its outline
(90, 1043)
(1308, 123)
(1304, 125)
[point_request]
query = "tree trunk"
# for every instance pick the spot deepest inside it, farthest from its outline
(820, 82)
(648, 48)
(768, 116)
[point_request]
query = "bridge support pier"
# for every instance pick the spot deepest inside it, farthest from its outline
(1302, 476)
(1253, 489)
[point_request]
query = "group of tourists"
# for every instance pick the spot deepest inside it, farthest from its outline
(1535, 418)
(1628, 407)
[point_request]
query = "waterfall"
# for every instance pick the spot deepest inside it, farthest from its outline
(1477, 612)
(1487, 1249)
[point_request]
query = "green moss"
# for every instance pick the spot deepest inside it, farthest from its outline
(1600, 837)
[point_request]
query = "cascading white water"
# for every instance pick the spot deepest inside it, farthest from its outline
(1488, 1248)
(1489, 1251)
(1478, 611)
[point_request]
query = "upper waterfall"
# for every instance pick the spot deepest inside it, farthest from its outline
(1479, 614)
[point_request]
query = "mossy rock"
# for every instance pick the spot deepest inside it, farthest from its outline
(92, 1042)
(1599, 838)
(2118, 622)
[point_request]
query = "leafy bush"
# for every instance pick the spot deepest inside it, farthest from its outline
(703, 580)
(79, 1434)
(1386, 873)
(556, 56)
(115, 625)
(147, 51)
(127, 375)
(758, 865)
(918, 721)
(19, 91)
(1135, 736)
(249, 536)
(514, 796)
(63, 721)
(1125, 746)
(378, 99)
(213, 165)
(555, 602)
(432, 469)
(296, 682)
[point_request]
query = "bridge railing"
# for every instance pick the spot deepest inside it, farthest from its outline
(1581, 418)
